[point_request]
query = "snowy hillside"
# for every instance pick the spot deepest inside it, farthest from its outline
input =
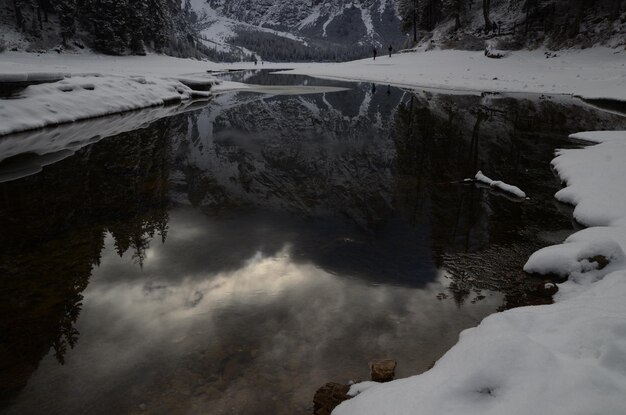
(513, 25)
(301, 29)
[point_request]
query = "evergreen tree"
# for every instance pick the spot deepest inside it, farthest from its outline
(409, 13)
(110, 25)
(66, 10)
(139, 26)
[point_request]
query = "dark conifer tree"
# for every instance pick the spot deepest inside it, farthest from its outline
(67, 19)
(110, 25)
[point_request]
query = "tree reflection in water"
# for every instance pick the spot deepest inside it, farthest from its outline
(53, 229)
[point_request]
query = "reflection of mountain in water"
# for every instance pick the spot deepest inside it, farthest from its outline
(53, 229)
(392, 177)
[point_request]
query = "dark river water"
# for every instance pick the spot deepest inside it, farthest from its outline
(232, 256)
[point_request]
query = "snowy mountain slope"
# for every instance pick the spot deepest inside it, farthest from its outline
(336, 24)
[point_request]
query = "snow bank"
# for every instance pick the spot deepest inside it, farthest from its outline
(83, 97)
(498, 185)
(160, 66)
(88, 85)
(565, 358)
(595, 179)
(589, 73)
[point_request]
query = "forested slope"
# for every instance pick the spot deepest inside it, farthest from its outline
(515, 24)
(115, 27)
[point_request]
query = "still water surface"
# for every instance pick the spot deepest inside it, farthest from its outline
(234, 257)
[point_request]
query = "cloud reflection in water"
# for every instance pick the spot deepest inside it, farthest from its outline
(178, 337)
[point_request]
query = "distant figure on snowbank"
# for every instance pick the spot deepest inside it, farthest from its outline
(375, 53)
(390, 49)
(255, 62)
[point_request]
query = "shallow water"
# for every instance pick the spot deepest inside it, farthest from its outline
(234, 257)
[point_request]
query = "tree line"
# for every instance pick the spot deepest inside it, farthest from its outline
(281, 49)
(563, 17)
(115, 26)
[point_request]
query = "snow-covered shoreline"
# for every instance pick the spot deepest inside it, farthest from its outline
(93, 86)
(590, 73)
(84, 97)
(565, 358)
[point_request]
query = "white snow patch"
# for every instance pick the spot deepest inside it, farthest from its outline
(366, 16)
(312, 18)
(574, 257)
(328, 21)
(361, 387)
(595, 178)
(382, 6)
(365, 104)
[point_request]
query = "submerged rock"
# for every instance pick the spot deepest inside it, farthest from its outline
(383, 370)
(547, 289)
(328, 397)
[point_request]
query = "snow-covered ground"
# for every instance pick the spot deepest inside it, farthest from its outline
(590, 73)
(565, 358)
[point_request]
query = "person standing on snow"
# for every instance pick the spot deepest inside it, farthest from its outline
(375, 52)
(390, 50)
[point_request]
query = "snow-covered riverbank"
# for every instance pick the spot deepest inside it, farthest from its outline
(565, 358)
(96, 86)
(589, 73)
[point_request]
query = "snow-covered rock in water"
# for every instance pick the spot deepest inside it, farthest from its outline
(566, 358)
(498, 185)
